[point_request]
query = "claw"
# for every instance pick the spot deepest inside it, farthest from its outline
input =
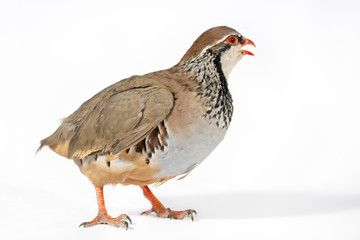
(147, 212)
(126, 225)
(191, 214)
(128, 218)
(82, 224)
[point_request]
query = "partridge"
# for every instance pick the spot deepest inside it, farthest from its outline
(151, 128)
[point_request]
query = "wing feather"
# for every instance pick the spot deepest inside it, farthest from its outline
(121, 120)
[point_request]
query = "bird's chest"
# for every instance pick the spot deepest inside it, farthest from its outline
(196, 126)
(187, 149)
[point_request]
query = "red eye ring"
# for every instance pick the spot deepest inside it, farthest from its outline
(232, 40)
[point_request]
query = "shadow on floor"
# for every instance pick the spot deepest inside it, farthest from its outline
(263, 204)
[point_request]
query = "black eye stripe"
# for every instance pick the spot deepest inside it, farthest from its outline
(241, 40)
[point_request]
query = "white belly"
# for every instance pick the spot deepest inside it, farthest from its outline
(183, 154)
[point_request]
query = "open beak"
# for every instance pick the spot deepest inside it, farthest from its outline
(244, 42)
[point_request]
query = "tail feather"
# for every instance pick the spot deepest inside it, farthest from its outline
(42, 144)
(58, 142)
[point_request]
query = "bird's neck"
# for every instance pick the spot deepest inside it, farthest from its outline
(212, 87)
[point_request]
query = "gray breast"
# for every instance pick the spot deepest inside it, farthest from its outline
(185, 153)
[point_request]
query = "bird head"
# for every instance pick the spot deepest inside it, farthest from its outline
(223, 44)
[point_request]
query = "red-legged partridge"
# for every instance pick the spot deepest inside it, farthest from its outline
(151, 128)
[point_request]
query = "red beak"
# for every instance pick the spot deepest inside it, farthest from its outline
(247, 42)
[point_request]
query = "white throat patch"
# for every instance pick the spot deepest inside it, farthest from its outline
(229, 59)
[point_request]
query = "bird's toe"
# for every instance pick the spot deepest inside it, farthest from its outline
(121, 221)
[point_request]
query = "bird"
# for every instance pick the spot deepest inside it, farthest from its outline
(151, 128)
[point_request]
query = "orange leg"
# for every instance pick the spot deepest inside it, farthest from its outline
(103, 217)
(163, 212)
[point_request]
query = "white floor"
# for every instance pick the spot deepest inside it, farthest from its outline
(249, 215)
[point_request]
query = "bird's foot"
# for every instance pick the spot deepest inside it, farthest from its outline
(102, 218)
(168, 213)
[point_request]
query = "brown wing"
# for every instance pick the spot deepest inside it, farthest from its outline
(113, 120)
(122, 120)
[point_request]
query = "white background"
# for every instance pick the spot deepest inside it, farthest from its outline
(289, 167)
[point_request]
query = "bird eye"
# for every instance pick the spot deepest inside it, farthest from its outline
(232, 40)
